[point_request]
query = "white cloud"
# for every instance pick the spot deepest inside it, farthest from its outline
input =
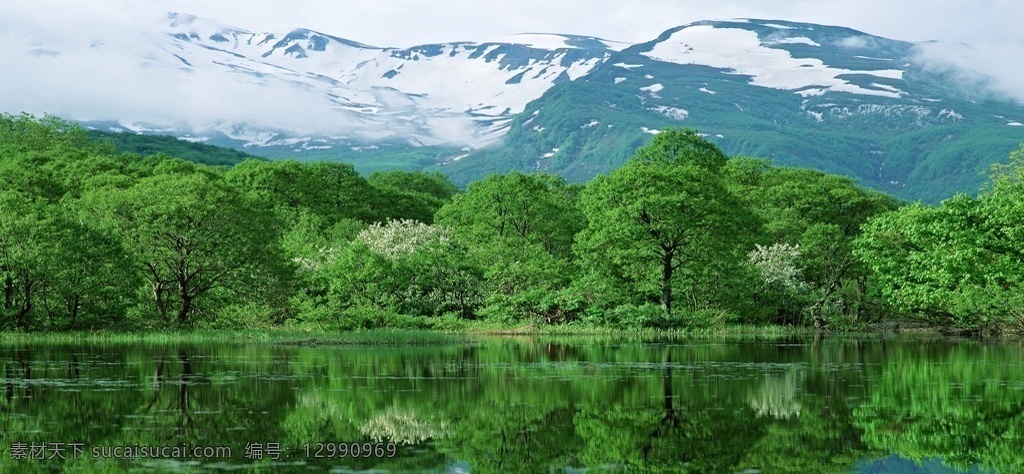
(85, 81)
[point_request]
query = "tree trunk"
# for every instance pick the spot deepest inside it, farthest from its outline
(8, 292)
(819, 322)
(26, 307)
(186, 307)
(75, 304)
(666, 282)
(161, 305)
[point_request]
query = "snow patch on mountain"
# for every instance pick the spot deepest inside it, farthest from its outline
(950, 114)
(741, 52)
(195, 139)
(674, 113)
(794, 40)
(615, 45)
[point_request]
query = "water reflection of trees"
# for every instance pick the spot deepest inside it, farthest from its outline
(404, 426)
(169, 407)
(527, 405)
(963, 404)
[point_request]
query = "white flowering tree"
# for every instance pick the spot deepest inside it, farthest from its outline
(405, 267)
(776, 264)
(402, 238)
(783, 292)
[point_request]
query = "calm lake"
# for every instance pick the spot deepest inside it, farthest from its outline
(861, 405)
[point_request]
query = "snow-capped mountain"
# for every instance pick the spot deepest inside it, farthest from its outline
(824, 97)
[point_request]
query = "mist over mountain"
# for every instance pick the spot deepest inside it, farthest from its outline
(197, 78)
(824, 97)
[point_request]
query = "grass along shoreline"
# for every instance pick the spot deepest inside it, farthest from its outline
(470, 333)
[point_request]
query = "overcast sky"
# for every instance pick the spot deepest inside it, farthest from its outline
(406, 23)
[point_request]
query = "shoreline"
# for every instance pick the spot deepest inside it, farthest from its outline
(471, 334)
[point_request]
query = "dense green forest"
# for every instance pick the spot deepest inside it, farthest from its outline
(680, 237)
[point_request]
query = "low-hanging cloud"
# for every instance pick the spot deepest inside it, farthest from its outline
(982, 69)
(102, 67)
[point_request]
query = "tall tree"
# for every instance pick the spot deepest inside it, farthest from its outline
(517, 209)
(521, 227)
(665, 222)
(410, 195)
(23, 233)
(333, 190)
(192, 234)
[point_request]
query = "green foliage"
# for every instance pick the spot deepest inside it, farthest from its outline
(957, 264)
(409, 195)
(665, 229)
(57, 272)
(521, 227)
(518, 209)
(333, 191)
(685, 146)
(433, 183)
(821, 215)
(402, 267)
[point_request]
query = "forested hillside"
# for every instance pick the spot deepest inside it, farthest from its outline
(680, 237)
(150, 145)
